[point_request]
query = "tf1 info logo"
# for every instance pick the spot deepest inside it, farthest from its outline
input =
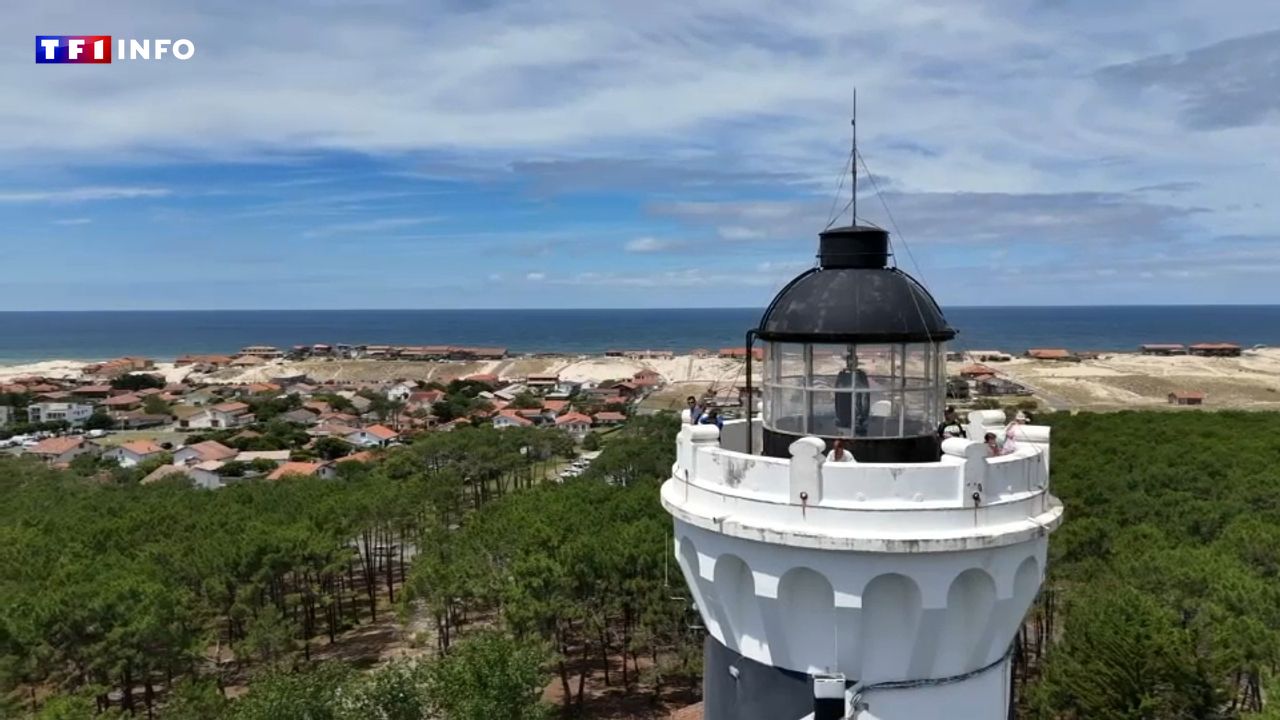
(96, 49)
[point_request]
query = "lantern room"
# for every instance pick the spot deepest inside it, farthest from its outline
(854, 350)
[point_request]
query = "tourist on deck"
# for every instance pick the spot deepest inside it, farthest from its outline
(951, 425)
(712, 417)
(695, 410)
(993, 444)
(838, 453)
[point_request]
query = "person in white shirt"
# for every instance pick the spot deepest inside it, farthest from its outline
(839, 454)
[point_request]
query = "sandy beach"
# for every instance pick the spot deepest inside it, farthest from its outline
(1110, 382)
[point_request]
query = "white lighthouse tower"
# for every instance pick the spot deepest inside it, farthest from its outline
(888, 586)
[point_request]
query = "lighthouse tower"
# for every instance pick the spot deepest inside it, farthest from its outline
(889, 585)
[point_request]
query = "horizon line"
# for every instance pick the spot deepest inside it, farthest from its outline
(606, 309)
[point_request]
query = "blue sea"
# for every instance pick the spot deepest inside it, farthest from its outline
(163, 335)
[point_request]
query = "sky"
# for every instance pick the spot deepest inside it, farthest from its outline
(587, 154)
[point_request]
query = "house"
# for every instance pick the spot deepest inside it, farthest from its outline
(70, 412)
(1164, 349)
(263, 351)
(138, 419)
(133, 453)
(6, 415)
(647, 378)
(576, 424)
(424, 399)
(1050, 354)
(1215, 350)
(62, 450)
(554, 407)
(315, 469)
(757, 354)
(543, 383)
(88, 392)
(222, 415)
(279, 457)
(1186, 397)
(610, 418)
(998, 386)
(166, 472)
(206, 361)
(625, 389)
(372, 436)
(331, 429)
(361, 403)
(363, 456)
(987, 356)
(400, 392)
(976, 370)
(299, 417)
(206, 474)
(128, 401)
(248, 361)
(510, 418)
(209, 450)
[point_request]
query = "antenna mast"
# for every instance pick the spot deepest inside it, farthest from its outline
(853, 162)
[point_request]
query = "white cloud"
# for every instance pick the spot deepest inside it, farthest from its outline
(73, 221)
(649, 245)
(376, 225)
(81, 194)
(535, 277)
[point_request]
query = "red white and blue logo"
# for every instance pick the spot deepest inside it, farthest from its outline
(73, 49)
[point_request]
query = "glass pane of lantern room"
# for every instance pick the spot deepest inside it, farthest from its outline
(785, 381)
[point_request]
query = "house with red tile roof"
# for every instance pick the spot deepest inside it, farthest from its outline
(316, 469)
(363, 456)
(373, 436)
(610, 418)
(209, 450)
(574, 423)
(222, 415)
(555, 407)
(1049, 354)
(1186, 397)
(331, 429)
(62, 450)
(133, 453)
(128, 401)
(647, 378)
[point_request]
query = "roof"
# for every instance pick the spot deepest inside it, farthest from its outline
(163, 472)
(1188, 394)
(573, 417)
(295, 468)
(362, 456)
(1162, 346)
(57, 445)
(609, 415)
(231, 407)
(84, 389)
(1215, 346)
(209, 465)
(382, 432)
(555, 406)
(212, 450)
(513, 416)
(976, 369)
(122, 400)
(142, 447)
(251, 455)
(1048, 353)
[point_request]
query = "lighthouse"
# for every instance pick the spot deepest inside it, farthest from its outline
(883, 582)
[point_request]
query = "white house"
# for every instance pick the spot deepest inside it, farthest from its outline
(574, 423)
(509, 418)
(131, 454)
(73, 413)
(6, 415)
(400, 392)
(206, 475)
(318, 469)
(372, 436)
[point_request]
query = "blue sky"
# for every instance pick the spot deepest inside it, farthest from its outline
(658, 154)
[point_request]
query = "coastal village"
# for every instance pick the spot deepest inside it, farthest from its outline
(271, 412)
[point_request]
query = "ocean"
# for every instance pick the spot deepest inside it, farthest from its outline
(163, 335)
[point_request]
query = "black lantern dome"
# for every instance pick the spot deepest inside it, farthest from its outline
(854, 351)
